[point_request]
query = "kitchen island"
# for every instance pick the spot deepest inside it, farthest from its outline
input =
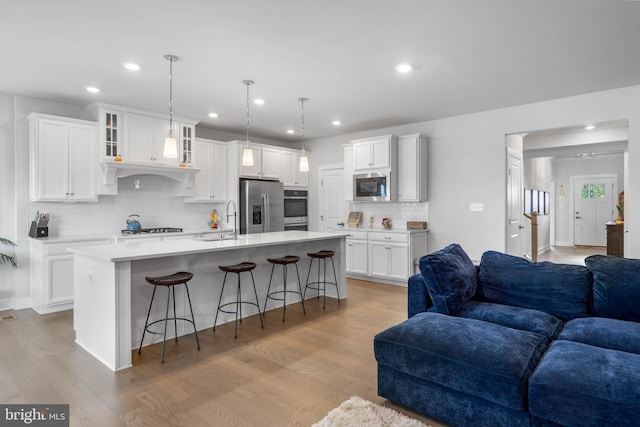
(111, 295)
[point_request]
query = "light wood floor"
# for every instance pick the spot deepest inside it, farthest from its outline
(288, 374)
(571, 254)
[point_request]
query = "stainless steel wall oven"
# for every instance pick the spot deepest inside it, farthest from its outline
(295, 209)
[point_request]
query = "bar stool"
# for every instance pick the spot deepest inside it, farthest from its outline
(322, 256)
(284, 262)
(169, 282)
(237, 269)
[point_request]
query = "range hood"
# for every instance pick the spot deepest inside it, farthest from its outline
(112, 170)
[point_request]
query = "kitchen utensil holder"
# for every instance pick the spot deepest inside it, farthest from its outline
(38, 232)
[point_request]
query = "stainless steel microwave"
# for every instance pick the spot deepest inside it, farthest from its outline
(373, 187)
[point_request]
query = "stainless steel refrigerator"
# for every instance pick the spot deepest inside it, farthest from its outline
(261, 206)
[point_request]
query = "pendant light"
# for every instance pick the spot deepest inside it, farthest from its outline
(304, 160)
(247, 153)
(170, 146)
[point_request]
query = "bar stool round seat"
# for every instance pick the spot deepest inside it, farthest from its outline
(281, 295)
(179, 278)
(242, 267)
(321, 283)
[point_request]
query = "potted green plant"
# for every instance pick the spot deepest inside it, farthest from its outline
(5, 258)
(620, 207)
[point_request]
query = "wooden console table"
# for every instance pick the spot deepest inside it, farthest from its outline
(615, 239)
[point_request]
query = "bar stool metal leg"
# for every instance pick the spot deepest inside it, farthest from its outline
(193, 319)
(224, 281)
(146, 322)
(166, 320)
(304, 310)
(255, 291)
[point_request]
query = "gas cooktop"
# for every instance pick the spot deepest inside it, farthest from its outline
(153, 230)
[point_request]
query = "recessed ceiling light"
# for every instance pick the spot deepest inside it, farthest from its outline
(92, 89)
(258, 101)
(404, 67)
(589, 127)
(290, 131)
(336, 122)
(213, 115)
(131, 66)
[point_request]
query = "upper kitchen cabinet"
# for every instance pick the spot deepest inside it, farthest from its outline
(138, 136)
(63, 164)
(267, 162)
(187, 134)
(291, 174)
(145, 137)
(412, 175)
(375, 153)
(211, 182)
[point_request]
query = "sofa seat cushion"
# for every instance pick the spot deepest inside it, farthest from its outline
(524, 319)
(450, 277)
(616, 287)
(481, 359)
(559, 289)
(603, 332)
(579, 384)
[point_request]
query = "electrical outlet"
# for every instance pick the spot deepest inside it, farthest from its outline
(476, 207)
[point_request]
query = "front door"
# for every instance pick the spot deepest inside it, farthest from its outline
(593, 208)
(332, 210)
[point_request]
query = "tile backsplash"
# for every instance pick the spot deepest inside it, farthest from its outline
(399, 213)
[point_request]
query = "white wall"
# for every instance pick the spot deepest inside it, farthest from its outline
(467, 163)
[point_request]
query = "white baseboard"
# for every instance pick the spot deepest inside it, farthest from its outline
(6, 304)
(22, 303)
(563, 243)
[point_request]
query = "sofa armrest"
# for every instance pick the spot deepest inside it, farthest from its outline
(418, 299)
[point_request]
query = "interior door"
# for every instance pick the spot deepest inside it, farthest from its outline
(332, 203)
(593, 208)
(515, 194)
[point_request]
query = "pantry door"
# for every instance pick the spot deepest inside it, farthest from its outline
(332, 203)
(593, 208)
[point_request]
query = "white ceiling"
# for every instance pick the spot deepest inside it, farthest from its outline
(468, 56)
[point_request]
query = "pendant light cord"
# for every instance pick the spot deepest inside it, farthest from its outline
(171, 59)
(302, 101)
(248, 83)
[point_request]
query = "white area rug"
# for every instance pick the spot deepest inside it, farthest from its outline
(357, 412)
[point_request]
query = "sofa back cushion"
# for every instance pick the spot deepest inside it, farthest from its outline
(450, 277)
(616, 287)
(559, 289)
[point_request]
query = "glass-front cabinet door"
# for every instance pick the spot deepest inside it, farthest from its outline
(186, 137)
(111, 146)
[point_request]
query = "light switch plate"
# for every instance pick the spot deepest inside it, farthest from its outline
(476, 207)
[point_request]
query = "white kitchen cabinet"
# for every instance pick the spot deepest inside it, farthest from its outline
(110, 125)
(348, 173)
(63, 164)
(375, 153)
(267, 163)
(356, 253)
(211, 182)
(51, 273)
(389, 255)
(291, 175)
(271, 161)
(145, 137)
(386, 256)
(412, 176)
(185, 138)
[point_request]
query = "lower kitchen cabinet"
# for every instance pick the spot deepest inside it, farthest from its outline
(384, 256)
(356, 253)
(51, 273)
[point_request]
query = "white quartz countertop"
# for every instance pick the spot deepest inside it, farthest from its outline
(140, 249)
(116, 237)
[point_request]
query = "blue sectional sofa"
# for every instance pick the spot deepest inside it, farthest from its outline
(515, 343)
